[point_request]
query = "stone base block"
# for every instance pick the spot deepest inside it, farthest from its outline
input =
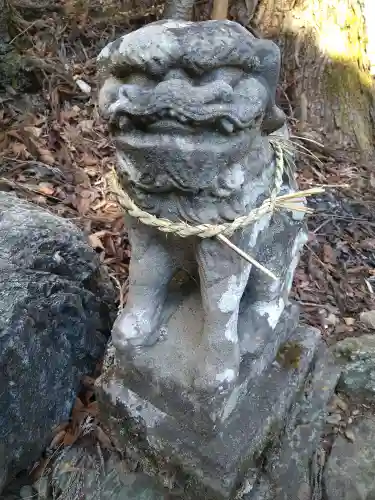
(211, 467)
(163, 373)
(293, 467)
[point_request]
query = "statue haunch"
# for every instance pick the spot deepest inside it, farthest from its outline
(190, 107)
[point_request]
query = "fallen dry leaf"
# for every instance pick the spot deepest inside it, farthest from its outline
(82, 205)
(89, 160)
(46, 188)
(103, 438)
(20, 150)
(93, 409)
(70, 438)
(95, 241)
(35, 131)
(46, 156)
(58, 439)
(329, 256)
(368, 243)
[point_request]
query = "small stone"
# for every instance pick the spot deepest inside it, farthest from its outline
(26, 492)
(349, 434)
(339, 403)
(332, 319)
(349, 321)
(349, 472)
(368, 318)
(355, 413)
(42, 487)
(350, 420)
(333, 419)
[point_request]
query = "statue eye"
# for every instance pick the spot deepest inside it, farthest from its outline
(134, 76)
(228, 74)
(176, 74)
(139, 79)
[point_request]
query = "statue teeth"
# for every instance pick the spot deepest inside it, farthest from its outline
(227, 125)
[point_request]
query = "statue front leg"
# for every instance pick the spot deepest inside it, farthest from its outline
(151, 269)
(223, 278)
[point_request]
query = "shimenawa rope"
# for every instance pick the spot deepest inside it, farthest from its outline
(293, 201)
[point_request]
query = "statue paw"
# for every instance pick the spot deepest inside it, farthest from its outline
(132, 329)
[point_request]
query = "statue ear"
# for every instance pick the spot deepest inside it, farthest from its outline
(108, 94)
(274, 119)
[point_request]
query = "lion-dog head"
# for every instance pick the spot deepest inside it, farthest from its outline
(190, 107)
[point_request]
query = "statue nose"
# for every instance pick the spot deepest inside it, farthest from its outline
(181, 90)
(178, 74)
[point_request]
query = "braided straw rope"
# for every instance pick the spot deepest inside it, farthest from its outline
(292, 201)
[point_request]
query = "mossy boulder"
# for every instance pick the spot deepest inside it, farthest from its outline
(356, 356)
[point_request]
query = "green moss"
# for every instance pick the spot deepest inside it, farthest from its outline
(347, 80)
(351, 88)
(289, 355)
(14, 71)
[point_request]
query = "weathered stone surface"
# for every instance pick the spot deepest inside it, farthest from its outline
(163, 373)
(212, 464)
(261, 490)
(192, 141)
(349, 473)
(294, 468)
(56, 310)
(356, 357)
(368, 317)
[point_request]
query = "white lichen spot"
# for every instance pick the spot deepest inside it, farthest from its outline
(231, 403)
(272, 310)
(300, 240)
(115, 390)
(170, 23)
(297, 215)
(228, 375)
(230, 298)
(231, 328)
(235, 176)
(57, 257)
(105, 53)
(184, 143)
(275, 286)
(295, 254)
(257, 228)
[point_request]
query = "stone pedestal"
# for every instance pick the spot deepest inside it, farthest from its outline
(214, 444)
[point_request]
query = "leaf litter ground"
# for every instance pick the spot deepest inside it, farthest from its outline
(56, 153)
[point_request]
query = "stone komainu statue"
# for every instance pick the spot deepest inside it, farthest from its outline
(191, 107)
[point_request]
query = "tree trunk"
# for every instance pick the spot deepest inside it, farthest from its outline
(326, 65)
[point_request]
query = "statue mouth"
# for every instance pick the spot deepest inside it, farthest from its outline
(176, 104)
(169, 121)
(185, 80)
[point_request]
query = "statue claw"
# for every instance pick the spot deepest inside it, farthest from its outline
(132, 329)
